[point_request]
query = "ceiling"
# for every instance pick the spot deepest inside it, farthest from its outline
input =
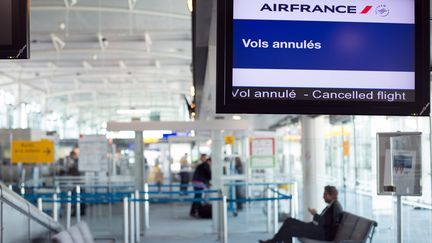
(92, 58)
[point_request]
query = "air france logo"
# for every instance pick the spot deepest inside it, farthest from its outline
(382, 10)
(366, 9)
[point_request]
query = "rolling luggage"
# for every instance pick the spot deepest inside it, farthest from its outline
(205, 211)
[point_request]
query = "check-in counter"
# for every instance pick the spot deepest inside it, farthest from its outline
(21, 222)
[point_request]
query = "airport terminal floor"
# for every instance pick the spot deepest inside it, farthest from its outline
(135, 121)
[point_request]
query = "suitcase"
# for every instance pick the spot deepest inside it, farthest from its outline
(205, 211)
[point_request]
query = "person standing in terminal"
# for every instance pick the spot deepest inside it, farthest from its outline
(184, 173)
(239, 189)
(200, 181)
(323, 226)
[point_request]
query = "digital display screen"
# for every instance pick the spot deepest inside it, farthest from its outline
(6, 22)
(312, 51)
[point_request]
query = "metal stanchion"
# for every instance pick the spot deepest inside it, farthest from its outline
(137, 217)
(220, 218)
(110, 211)
(125, 220)
(39, 204)
(68, 209)
(132, 218)
(399, 219)
(294, 198)
(54, 208)
(146, 207)
(78, 204)
(275, 211)
(224, 220)
(59, 204)
(268, 210)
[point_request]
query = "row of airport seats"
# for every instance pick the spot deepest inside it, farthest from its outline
(79, 233)
(352, 229)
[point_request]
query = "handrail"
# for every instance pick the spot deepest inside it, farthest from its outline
(27, 209)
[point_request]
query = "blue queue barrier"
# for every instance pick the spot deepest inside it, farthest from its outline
(126, 198)
(161, 200)
(34, 196)
(114, 186)
(110, 197)
(106, 197)
(279, 193)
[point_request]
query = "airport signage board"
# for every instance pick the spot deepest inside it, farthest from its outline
(229, 139)
(262, 152)
(32, 151)
(323, 57)
(14, 29)
(399, 163)
(93, 156)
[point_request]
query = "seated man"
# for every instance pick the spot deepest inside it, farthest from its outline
(323, 226)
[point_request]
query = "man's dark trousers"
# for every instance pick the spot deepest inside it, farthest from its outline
(296, 228)
(196, 205)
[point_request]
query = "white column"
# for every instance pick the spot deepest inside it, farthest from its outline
(216, 168)
(140, 175)
(125, 220)
(313, 161)
(19, 106)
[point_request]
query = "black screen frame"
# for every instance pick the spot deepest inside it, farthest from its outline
(20, 47)
(226, 104)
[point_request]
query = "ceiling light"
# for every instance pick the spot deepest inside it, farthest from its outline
(87, 65)
(133, 111)
(147, 38)
(192, 91)
(190, 5)
(132, 4)
(62, 26)
(157, 64)
(95, 57)
(57, 42)
(147, 41)
(103, 42)
(122, 64)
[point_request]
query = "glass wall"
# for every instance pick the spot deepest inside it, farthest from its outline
(350, 164)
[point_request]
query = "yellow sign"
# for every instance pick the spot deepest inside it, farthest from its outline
(229, 139)
(33, 151)
(151, 140)
(346, 148)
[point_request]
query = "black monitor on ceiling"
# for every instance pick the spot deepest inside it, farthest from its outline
(14, 29)
(341, 57)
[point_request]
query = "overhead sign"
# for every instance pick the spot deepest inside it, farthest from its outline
(229, 139)
(32, 151)
(14, 26)
(93, 156)
(262, 152)
(323, 57)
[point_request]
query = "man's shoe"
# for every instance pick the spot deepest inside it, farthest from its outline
(265, 241)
